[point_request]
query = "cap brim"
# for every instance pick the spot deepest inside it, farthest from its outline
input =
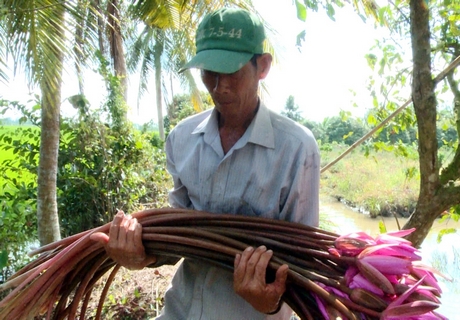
(220, 61)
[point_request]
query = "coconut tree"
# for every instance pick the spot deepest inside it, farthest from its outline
(3, 67)
(37, 36)
(115, 38)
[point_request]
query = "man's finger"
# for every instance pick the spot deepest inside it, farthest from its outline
(118, 218)
(124, 229)
(259, 262)
(240, 264)
(248, 261)
(115, 226)
(280, 280)
(100, 237)
(237, 260)
(137, 233)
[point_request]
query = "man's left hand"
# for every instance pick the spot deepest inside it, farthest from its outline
(249, 279)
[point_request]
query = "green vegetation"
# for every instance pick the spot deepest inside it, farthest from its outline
(8, 155)
(18, 217)
(104, 165)
(382, 183)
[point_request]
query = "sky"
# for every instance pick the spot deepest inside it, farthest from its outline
(331, 62)
(320, 76)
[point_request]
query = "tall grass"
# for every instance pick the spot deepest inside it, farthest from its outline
(381, 183)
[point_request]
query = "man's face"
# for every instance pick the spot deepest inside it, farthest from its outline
(234, 94)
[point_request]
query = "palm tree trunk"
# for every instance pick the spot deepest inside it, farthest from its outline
(159, 98)
(116, 45)
(100, 24)
(78, 49)
(47, 213)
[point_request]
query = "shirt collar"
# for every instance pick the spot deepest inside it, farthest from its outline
(260, 131)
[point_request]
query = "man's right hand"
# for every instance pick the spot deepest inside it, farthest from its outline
(124, 242)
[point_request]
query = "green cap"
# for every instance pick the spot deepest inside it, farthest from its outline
(226, 40)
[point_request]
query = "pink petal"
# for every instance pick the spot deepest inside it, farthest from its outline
(399, 300)
(375, 276)
(427, 277)
(385, 238)
(391, 250)
(401, 233)
(350, 273)
(408, 310)
(359, 281)
(351, 246)
(389, 264)
(321, 306)
(423, 266)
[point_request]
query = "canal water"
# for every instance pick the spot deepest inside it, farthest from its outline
(444, 256)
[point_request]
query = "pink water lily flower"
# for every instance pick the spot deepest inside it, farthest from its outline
(326, 311)
(394, 237)
(388, 264)
(399, 309)
(375, 277)
(388, 269)
(425, 273)
(423, 292)
(353, 243)
(391, 249)
(422, 310)
(359, 281)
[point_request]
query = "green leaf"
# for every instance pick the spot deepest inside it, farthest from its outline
(300, 38)
(330, 11)
(444, 232)
(301, 10)
(371, 120)
(382, 227)
(3, 259)
(349, 134)
(137, 294)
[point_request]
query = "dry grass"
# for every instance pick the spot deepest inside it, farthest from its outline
(382, 183)
(133, 295)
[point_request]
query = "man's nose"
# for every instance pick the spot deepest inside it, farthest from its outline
(222, 83)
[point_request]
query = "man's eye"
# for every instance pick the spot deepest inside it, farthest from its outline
(234, 75)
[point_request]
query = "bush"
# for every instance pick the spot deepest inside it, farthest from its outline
(102, 170)
(106, 165)
(18, 204)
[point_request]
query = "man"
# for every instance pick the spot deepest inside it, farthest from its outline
(238, 158)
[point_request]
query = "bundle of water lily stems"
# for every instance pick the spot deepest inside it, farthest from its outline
(353, 276)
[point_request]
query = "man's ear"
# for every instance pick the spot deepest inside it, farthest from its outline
(264, 63)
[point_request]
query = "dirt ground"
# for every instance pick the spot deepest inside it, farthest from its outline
(133, 294)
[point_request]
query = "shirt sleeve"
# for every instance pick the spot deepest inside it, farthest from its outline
(178, 196)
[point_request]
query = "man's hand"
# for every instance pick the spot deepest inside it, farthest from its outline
(124, 242)
(249, 279)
